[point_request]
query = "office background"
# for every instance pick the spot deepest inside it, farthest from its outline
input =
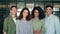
(6, 4)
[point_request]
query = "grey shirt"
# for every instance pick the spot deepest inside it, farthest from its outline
(24, 28)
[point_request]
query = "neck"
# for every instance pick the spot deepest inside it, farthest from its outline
(35, 17)
(49, 14)
(24, 18)
(13, 16)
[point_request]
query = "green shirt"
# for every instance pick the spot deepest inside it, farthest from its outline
(9, 26)
(38, 24)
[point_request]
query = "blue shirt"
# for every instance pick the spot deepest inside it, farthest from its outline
(52, 25)
(24, 28)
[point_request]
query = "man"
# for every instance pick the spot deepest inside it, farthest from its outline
(51, 21)
(9, 26)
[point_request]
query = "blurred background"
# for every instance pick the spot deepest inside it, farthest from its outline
(6, 4)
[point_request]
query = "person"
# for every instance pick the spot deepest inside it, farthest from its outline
(24, 24)
(51, 21)
(38, 20)
(9, 26)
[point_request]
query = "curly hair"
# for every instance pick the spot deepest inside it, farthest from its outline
(41, 12)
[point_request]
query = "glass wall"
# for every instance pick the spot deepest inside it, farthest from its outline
(6, 4)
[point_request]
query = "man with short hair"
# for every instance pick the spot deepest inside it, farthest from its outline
(9, 26)
(51, 21)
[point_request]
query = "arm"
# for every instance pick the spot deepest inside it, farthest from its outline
(4, 32)
(57, 26)
(17, 28)
(5, 26)
(31, 29)
(43, 27)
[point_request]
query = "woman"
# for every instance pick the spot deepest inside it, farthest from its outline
(38, 20)
(24, 24)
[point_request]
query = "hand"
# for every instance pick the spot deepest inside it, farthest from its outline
(4, 32)
(37, 32)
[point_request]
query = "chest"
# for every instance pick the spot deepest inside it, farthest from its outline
(49, 23)
(11, 24)
(23, 25)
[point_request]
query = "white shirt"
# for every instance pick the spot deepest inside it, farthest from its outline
(14, 19)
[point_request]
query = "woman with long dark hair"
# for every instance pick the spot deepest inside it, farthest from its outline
(38, 20)
(24, 24)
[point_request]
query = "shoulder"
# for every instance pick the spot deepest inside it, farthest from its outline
(7, 18)
(55, 17)
(32, 19)
(42, 19)
(29, 21)
(18, 20)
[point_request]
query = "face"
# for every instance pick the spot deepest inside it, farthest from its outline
(25, 13)
(49, 11)
(13, 11)
(36, 13)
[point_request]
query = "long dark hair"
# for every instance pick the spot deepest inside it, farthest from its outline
(21, 14)
(41, 12)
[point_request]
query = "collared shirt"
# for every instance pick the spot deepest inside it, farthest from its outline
(14, 19)
(52, 25)
(24, 28)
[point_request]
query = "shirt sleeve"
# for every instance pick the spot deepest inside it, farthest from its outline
(31, 28)
(17, 27)
(5, 25)
(57, 26)
(43, 27)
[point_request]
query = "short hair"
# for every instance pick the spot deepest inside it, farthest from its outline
(41, 12)
(12, 7)
(49, 6)
(21, 14)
